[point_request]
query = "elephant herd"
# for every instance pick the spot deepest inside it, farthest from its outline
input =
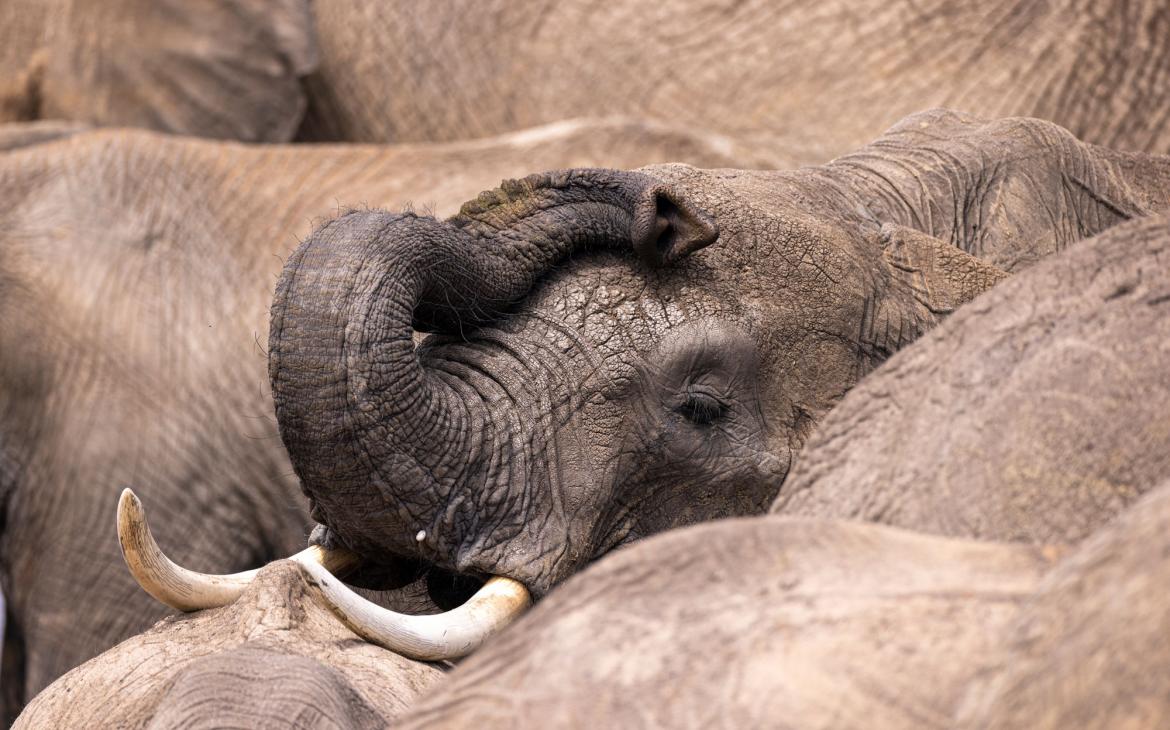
(786, 397)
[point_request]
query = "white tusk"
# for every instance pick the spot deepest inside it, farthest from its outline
(185, 589)
(456, 633)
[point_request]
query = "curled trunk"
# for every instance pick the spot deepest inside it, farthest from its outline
(380, 442)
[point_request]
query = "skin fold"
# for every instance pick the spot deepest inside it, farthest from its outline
(136, 273)
(620, 353)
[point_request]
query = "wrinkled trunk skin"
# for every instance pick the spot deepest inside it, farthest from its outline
(387, 449)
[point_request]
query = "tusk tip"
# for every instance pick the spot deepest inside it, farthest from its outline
(129, 507)
(128, 501)
(131, 516)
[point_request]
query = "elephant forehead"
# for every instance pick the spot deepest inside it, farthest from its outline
(617, 307)
(285, 685)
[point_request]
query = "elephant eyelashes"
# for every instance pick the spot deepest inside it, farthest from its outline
(701, 407)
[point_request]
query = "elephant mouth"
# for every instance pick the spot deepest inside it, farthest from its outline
(454, 633)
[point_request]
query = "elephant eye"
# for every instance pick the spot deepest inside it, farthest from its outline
(701, 406)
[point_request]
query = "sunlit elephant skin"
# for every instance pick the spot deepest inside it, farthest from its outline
(810, 79)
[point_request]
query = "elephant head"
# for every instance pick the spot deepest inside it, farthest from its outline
(613, 354)
(593, 377)
(274, 658)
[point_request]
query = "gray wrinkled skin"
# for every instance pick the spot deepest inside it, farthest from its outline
(567, 406)
(1036, 414)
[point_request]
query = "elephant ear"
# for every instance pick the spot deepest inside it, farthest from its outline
(941, 275)
(229, 69)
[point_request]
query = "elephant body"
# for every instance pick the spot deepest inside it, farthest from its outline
(619, 399)
(654, 393)
(136, 272)
(752, 622)
(1035, 415)
(789, 622)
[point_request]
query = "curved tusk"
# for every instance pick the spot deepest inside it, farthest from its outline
(185, 589)
(456, 633)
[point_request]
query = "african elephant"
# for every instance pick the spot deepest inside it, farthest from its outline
(937, 275)
(567, 404)
(789, 78)
(801, 623)
(136, 273)
(276, 658)
(1036, 414)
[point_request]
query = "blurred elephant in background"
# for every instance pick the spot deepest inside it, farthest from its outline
(231, 69)
(787, 78)
(809, 80)
(136, 273)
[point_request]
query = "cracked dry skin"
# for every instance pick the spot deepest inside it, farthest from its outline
(568, 404)
(136, 272)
